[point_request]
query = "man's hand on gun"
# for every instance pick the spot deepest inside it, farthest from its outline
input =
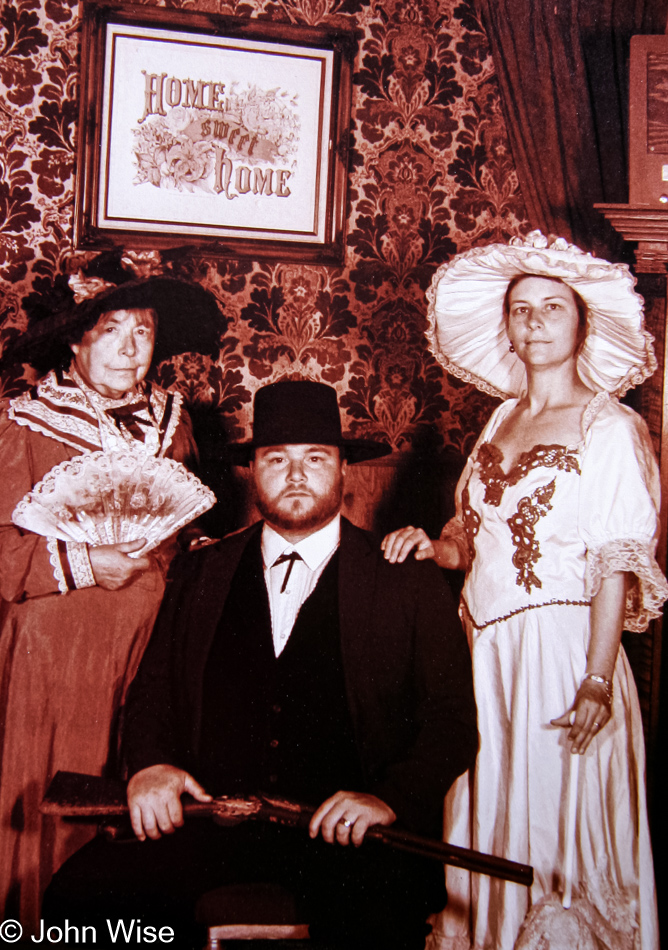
(345, 817)
(154, 799)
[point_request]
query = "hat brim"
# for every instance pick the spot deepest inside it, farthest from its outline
(355, 450)
(189, 320)
(189, 317)
(467, 332)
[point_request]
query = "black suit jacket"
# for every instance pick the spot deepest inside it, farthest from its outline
(406, 663)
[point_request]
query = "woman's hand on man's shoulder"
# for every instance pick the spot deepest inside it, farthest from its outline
(397, 545)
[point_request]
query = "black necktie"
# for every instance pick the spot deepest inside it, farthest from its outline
(291, 557)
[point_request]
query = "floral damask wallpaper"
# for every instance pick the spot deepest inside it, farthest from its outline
(430, 175)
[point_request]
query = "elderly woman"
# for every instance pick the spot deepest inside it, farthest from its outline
(75, 617)
(556, 527)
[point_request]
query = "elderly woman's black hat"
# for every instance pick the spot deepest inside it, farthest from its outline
(189, 317)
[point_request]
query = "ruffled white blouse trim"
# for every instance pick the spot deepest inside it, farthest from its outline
(649, 588)
(69, 411)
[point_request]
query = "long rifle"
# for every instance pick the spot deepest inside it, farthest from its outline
(74, 795)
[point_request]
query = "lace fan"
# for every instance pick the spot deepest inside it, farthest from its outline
(109, 497)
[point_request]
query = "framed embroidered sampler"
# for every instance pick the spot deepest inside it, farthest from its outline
(198, 129)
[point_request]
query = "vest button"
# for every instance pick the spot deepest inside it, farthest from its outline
(276, 708)
(274, 743)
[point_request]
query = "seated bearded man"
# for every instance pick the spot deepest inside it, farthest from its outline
(292, 659)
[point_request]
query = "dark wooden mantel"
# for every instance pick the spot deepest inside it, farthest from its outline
(646, 225)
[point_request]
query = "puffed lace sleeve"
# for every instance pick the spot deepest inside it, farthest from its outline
(619, 510)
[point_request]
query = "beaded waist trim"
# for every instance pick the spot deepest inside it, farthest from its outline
(466, 613)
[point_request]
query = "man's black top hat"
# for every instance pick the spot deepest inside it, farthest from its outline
(301, 412)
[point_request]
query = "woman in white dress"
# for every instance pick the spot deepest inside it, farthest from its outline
(556, 527)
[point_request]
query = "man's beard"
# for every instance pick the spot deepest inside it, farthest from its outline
(294, 518)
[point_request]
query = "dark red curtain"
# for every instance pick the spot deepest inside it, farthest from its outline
(562, 66)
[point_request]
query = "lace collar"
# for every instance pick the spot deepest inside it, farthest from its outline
(63, 408)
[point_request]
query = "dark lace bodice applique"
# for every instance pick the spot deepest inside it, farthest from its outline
(496, 480)
(471, 520)
(523, 530)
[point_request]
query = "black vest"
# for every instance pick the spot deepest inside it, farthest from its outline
(277, 724)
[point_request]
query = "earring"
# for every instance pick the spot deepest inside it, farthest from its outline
(511, 348)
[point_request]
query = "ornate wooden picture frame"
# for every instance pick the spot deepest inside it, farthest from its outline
(220, 132)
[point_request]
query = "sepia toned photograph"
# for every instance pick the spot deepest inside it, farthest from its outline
(334, 509)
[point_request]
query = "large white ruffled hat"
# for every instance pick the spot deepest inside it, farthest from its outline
(467, 330)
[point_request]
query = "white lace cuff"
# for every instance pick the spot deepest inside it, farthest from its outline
(54, 560)
(649, 588)
(82, 572)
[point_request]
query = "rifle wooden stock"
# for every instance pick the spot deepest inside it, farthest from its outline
(74, 795)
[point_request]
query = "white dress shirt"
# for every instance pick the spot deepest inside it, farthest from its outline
(314, 551)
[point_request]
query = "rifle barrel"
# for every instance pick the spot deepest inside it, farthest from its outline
(72, 794)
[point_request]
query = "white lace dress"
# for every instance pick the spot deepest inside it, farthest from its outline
(541, 538)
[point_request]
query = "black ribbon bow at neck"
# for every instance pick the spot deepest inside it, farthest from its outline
(127, 416)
